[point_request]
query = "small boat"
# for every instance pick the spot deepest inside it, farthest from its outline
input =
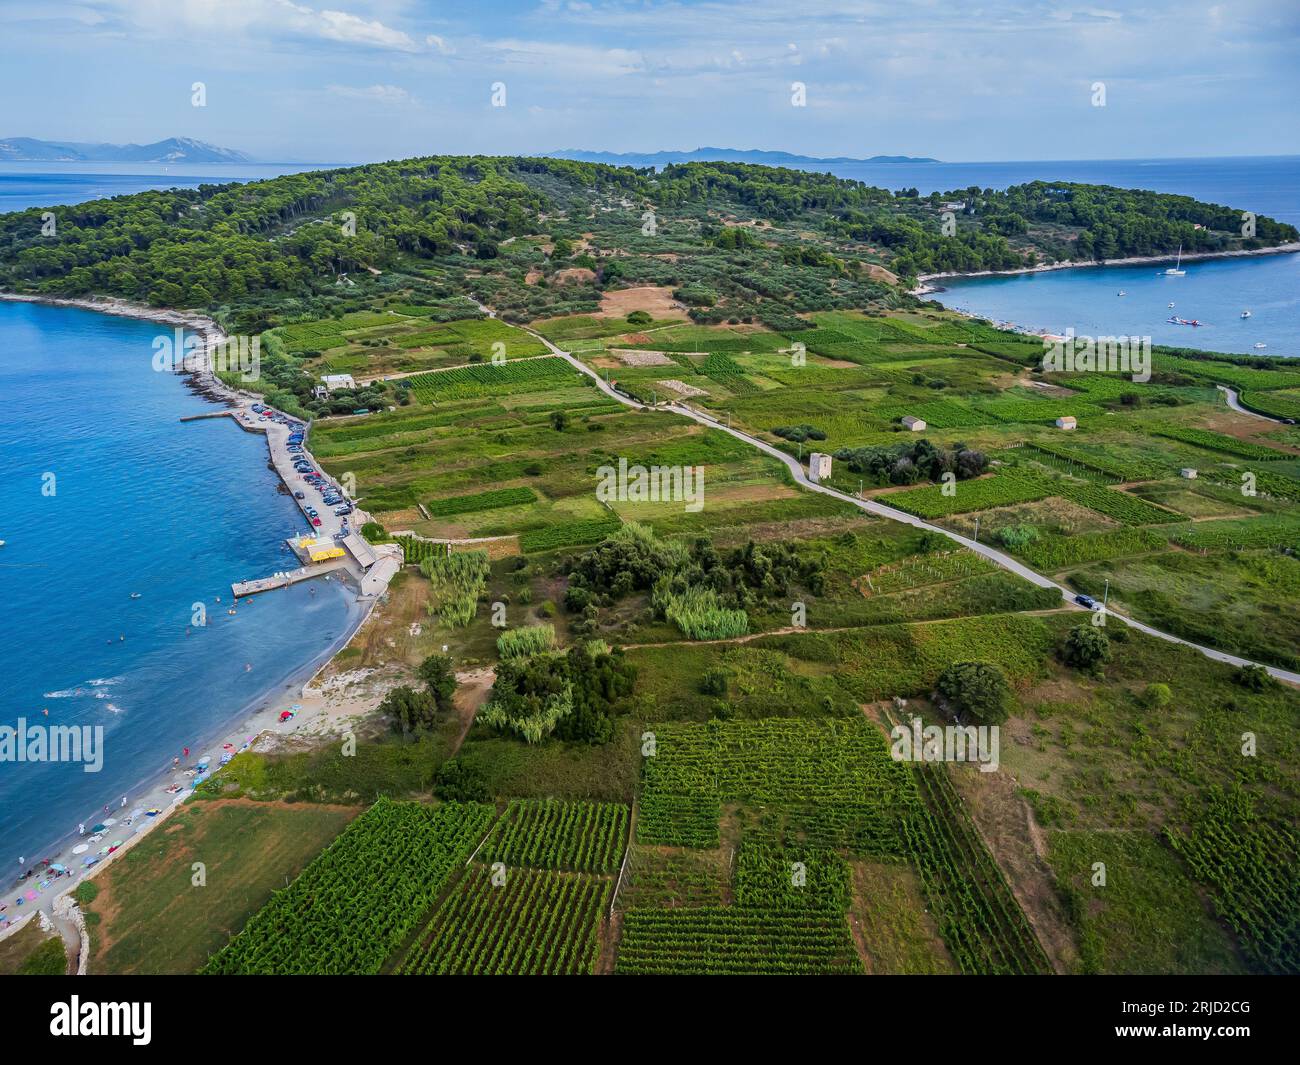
(1245, 314)
(1121, 292)
(1171, 304)
(1261, 344)
(1173, 319)
(1177, 269)
(135, 595)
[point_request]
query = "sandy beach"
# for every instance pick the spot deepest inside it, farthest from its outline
(319, 707)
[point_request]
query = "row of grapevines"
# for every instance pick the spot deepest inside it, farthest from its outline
(586, 837)
(359, 898)
(533, 923)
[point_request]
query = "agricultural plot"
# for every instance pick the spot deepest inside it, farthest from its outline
(923, 570)
(526, 922)
(490, 500)
(732, 941)
(978, 917)
(352, 906)
(999, 490)
(1252, 869)
(834, 778)
(548, 834)
(1217, 442)
(1280, 531)
(1049, 554)
(486, 379)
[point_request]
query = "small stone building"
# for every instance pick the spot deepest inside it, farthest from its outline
(819, 467)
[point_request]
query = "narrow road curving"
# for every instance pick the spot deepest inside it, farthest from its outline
(893, 514)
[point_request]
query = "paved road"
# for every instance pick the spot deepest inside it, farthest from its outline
(1231, 396)
(881, 510)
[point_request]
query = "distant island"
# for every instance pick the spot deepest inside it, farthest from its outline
(725, 155)
(171, 150)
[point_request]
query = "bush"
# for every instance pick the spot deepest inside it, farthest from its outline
(977, 689)
(86, 892)
(639, 318)
(1086, 647)
(1156, 696)
(714, 682)
(457, 782)
(1254, 678)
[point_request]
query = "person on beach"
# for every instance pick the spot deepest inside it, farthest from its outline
(81, 829)
(185, 751)
(123, 801)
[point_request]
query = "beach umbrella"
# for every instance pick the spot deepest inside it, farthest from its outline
(80, 848)
(98, 828)
(59, 868)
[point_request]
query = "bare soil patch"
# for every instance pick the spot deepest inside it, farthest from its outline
(655, 300)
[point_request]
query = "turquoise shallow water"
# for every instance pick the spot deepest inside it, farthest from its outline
(142, 503)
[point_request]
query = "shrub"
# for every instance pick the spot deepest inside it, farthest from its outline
(978, 689)
(1156, 696)
(1253, 678)
(456, 781)
(714, 682)
(1086, 647)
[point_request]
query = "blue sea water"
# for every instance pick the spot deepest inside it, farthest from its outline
(140, 503)
(24, 185)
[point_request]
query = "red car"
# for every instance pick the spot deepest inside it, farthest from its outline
(315, 521)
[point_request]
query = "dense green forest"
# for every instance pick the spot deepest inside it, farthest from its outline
(545, 236)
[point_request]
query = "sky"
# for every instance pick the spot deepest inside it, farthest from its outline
(360, 80)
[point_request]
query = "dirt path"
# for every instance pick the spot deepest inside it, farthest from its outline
(471, 694)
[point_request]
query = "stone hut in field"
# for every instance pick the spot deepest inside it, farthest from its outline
(819, 467)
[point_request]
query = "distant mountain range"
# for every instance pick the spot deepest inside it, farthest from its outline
(724, 155)
(172, 150)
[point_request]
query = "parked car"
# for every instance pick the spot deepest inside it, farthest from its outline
(300, 495)
(316, 522)
(1086, 600)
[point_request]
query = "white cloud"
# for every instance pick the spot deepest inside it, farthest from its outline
(389, 95)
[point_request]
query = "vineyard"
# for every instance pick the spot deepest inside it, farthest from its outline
(568, 534)
(534, 923)
(486, 378)
(584, 837)
(1120, 506)
(1001, 490)
(921, 570)
(978, 917)
(492, 500)
(1252, 869)
(1056, 552)
(1083, 463)
(1217, 442)
(352, 906)
(733, 941)
(833, 781)
(1265, 531)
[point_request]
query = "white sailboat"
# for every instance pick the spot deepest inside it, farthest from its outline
(1176, 270)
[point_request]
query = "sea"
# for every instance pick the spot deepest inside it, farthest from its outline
(122, 524)
(109, 496)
